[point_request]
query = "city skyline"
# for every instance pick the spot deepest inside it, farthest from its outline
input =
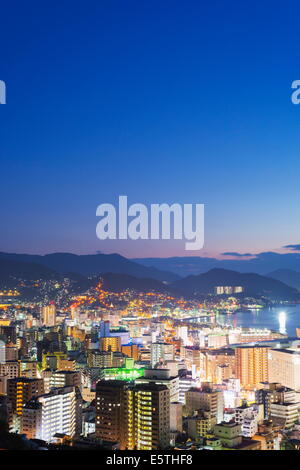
(150, 238)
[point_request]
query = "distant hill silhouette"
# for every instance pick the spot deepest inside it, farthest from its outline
(11, 269)
(119, 282)
(254, 284)
(288, 276)
(260, 263)
(92, 265)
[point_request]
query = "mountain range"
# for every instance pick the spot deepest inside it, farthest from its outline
(260, 263)
(118, 274)
(253, 284)
(89, 265)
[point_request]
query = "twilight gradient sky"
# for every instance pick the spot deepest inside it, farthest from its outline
(163, 101)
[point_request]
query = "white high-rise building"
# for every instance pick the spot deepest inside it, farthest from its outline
(285, 414)
(161, 352)
(186, 383)
(220, 290)
(182, 333)
(49, 414)
(284, 367)
(248, 417)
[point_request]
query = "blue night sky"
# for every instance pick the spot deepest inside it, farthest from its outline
(163, 101)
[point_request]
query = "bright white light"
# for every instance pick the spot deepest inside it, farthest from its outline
(282, 323)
